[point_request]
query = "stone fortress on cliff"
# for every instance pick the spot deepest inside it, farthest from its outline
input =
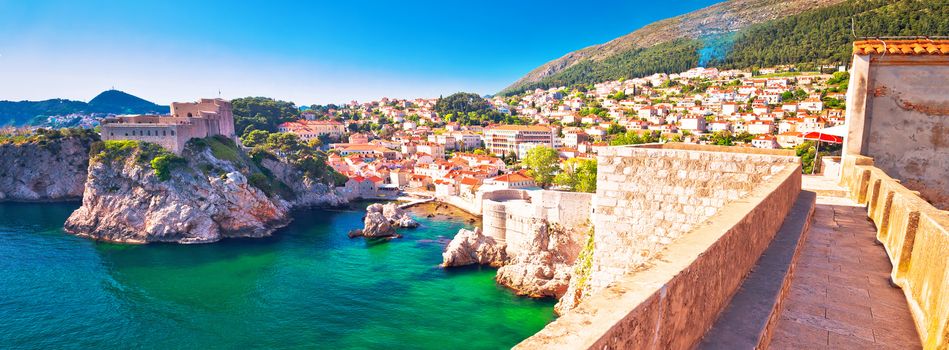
(187, 120)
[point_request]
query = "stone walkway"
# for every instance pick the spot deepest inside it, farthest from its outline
(840, 296)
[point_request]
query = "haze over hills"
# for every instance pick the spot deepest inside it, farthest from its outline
(110, 101)
(741, 34)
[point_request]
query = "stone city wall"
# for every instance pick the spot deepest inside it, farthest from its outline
(916, 237)
(647, 197)
(708, 212)
(515, 216)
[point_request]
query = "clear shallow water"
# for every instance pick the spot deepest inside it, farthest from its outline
(308, 287)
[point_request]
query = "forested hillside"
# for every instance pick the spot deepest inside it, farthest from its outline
(261, 113)
(819, 36)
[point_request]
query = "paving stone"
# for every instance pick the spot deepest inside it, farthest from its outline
(838, 341)
(806, 308)
(860, 315)
(848, 328)
(800, 333)
(894, 339)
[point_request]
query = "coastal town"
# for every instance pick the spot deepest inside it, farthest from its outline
(412, 148)
(401, 148)
(751, 174)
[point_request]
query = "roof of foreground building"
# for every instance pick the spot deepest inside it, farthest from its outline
(901, 47)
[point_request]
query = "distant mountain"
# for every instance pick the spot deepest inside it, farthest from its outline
(110, 102)
(742, 34)
(118, 102)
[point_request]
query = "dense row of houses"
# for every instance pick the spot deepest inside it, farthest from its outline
(734, 101)
(418, 150)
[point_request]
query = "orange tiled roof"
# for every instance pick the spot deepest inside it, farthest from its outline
(512, 177)
(470, 181)
(901, 47)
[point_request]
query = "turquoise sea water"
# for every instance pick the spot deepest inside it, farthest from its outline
(309, 286)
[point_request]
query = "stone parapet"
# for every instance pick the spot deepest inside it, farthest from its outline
(649, 196)
(916, 237)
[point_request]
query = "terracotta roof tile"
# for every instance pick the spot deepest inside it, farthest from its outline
(512, 177)
(901, 47)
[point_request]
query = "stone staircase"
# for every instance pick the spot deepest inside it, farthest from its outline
(823, 186)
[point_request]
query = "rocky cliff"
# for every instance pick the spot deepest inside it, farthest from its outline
(138, 193)
(42, 169)
(540, 266)
(545, 267)
(302, 191)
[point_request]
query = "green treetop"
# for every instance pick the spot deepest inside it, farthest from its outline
(578, 174)
(542, 163)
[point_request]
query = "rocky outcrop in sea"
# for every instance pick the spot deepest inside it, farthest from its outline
(381, 221)
(472, 247)
(203, 197)
(49, 170)
(541, 266)
(544, 267)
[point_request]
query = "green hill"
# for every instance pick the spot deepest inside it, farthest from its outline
(21, 112)
(111, 101)
(118, 102)
(742, 34)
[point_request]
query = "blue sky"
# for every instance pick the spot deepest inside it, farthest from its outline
(302, 51)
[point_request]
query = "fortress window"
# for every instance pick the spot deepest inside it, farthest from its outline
(163, 133)
(149, 133)
(172, 133)
(189, 115)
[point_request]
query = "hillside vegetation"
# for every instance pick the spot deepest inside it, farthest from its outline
(468, 108)
(261, 113)
(810, 36)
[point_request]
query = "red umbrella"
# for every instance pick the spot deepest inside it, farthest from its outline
(829, 135)
(818, 136)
